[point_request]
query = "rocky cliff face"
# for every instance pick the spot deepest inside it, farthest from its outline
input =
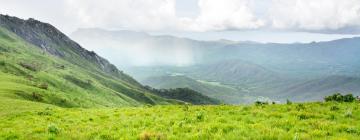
(51, 40)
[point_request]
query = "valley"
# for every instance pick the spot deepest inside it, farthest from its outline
(253, 71)
(148, 87)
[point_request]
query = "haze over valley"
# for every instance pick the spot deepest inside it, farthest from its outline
(179, 69)
(243, 71)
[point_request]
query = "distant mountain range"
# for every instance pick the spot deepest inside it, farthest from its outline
(256, 71)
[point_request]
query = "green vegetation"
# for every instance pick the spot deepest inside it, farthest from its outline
(39, 63)
(26, 72)
(338, 97)
(211, 89)
(183, 94)
(62, 91)
(21, 119)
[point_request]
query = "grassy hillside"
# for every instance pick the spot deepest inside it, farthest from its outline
(52, 88)
(21, 119)
(43, 65)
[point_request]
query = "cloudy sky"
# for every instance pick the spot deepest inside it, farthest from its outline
(257, 20)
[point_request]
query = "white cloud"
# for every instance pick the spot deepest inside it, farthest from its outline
(314, 15)
(331, 16)
(223, 15)
(133, 14)
(43, 10)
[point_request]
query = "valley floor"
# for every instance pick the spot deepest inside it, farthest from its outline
(21, 119)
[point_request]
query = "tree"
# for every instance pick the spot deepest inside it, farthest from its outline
(349, 98)
(338, 97)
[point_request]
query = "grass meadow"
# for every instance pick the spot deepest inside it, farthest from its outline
(21, 119)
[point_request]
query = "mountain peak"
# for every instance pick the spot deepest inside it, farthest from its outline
(53, 41)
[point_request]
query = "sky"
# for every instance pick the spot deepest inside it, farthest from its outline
(239, 20)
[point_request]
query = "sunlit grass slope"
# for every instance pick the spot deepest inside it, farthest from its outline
(27, 120)
(29, 73)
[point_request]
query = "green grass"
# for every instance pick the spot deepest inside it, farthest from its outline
(47, 97)
(27, 120)
(25, 69)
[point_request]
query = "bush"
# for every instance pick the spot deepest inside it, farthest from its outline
(53, 129)
(349, 98)
(259, 103)
(337, 97)
(200, 116)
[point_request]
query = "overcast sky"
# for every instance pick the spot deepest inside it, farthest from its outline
(258, 20)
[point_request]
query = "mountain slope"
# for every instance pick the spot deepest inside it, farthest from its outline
(184, 94)
(224, 93)
(316, 89)
(39, 63)
(233, 71)
(51, 40)
(271, 70)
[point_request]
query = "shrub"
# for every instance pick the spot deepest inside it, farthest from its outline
(53, 129)
(349, 98)
(338, 97)
(335, 97)
(259, 103)
(200, 116)
(45, 113)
